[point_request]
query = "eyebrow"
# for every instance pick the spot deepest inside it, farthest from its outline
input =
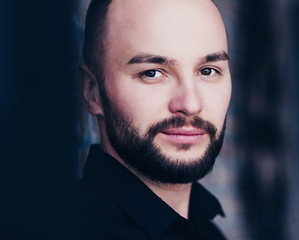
(157, 59)
(149, 58)
(215, 57)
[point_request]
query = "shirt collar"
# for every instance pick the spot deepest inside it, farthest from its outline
(203, 204)
(134, 197)
(130, 193)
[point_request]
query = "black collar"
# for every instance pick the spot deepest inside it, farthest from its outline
(134, 197)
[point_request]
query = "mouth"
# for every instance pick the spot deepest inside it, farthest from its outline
(184, 136)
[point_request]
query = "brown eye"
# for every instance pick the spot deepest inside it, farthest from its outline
(207, 71)
(151, 73)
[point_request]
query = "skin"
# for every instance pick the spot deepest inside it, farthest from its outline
(184, 33)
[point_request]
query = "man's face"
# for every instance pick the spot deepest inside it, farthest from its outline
(167, 78)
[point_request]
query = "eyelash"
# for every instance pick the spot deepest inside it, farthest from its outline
(143, 74)
(211, 69)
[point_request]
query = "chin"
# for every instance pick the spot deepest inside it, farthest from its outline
(184, 153)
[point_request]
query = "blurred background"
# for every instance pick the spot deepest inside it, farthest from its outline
(45, 133)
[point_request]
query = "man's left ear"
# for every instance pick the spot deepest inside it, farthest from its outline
(90, 91)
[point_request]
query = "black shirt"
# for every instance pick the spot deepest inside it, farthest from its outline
(115, 204)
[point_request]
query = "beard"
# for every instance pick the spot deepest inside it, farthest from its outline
(147, 159)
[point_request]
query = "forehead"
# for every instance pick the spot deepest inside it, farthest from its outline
(165, 27)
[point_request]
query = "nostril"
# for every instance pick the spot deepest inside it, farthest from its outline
(187, 102)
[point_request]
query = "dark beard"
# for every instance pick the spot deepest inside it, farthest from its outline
(141, 154)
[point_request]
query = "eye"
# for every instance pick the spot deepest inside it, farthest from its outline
(151, 74)
(208, 71)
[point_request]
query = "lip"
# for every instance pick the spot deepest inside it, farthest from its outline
(183, 136)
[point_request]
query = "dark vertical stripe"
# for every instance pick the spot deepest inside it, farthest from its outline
(39, 137)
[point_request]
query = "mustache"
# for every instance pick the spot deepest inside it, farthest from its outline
(178, 122)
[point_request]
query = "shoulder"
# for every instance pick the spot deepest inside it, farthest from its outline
(98, 215)
(93, 204)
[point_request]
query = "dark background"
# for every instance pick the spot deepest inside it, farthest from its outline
(41, 131)
(39, 138)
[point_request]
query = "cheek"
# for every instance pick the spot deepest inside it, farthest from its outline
(217, 103)
(143, 103)
(150, 106)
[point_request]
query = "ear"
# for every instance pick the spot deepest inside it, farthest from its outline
(90, 91)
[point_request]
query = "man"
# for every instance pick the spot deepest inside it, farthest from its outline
(157, 78)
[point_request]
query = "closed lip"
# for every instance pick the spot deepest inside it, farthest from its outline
(184, 136)
(185, 132)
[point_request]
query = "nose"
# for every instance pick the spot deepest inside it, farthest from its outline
(186, 99)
